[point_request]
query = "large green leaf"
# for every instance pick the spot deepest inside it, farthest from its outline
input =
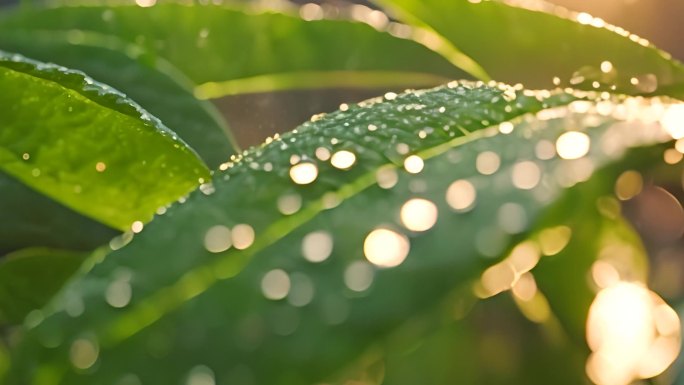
(30, 277)
(533, 46)
(228, 50)
(209, 311)
(87, 146)
(153, 83)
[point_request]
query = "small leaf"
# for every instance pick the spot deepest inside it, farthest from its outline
(87, 146)
(153, 83)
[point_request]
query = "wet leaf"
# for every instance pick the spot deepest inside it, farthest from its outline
(309, 249)
(533, 46)
(87, 146)
(152, 82)
(30, 277)
(227, 50)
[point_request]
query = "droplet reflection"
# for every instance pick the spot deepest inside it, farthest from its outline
(386, 248)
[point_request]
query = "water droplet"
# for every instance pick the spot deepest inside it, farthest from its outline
(304, 173)
(137, 227)
(414, 164)
(418, 214)
(200, 375)
(387, 177)
(358, 276)
(84, 353)
(461, 195)
(386, 248)
(218, 239)
(487, 162)
(275, 285)
(343, 159)
(317, 246)
(628, 185)
(573, 145)
(526, 175)
(243, 236)
(301, 290)
(289, 204)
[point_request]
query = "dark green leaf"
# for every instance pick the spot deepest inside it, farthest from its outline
(528, 46)
(211, 310)
(32, 219)
(30, 277)
(87, 146)
(228, 50)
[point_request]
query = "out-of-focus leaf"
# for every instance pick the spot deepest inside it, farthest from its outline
(30, 277)
(87, 146)
(259, 311)
(153, 83)
(493, 344)
(533, 46)
(32, 219)
(228, 50)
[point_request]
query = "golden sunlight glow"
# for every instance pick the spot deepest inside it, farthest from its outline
(414, 164)
(526, 175)
(628, 185)
(525, 288)
(317, 246)
(672, 156)
(386, 248)
(553, 240)
(673, 121)
(497, 279)
(572, 145)
(418, 214)
(632, 333)
(461, 195)
(243, 236)
(343, 159)
(304, 173)
(218, 239)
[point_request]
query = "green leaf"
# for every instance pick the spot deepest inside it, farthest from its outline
(153, 83)
(493, 344)
(48, 271)
(228, 50)
(87, 146)
(533, 46)
(226, 310)
(32, 219)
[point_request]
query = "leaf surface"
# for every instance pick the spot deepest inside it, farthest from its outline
(255, 309)
(87, 146)
(534, 45)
